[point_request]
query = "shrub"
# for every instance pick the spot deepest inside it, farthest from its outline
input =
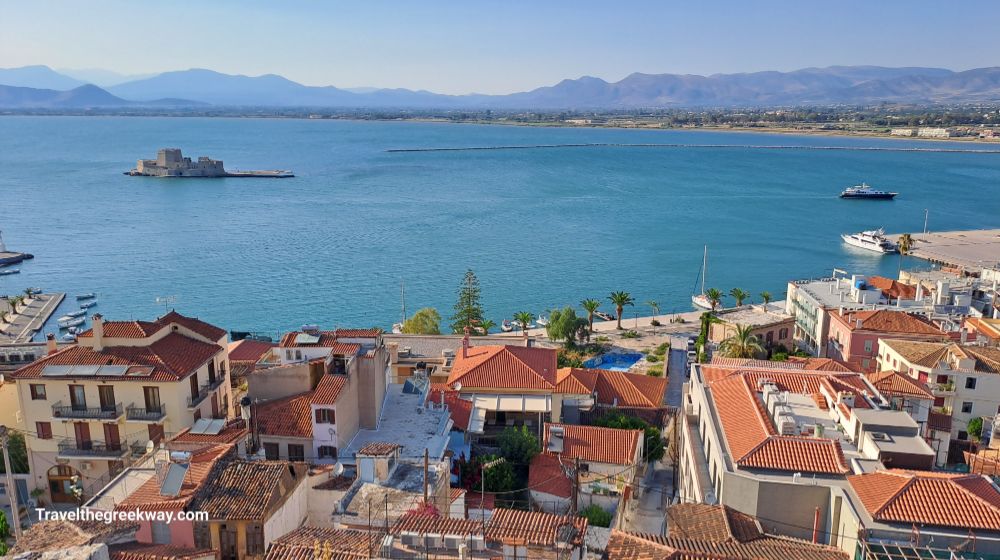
(518, 445)
(779, 357)
(652, 358)
(652, 438)
(655, 370)
(654, 323)
(661, 350)
(602, 338)
(596, 516)
(630, 334)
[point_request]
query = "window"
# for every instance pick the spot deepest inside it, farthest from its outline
(44, 430)
(325, 416)
(963, 435)
(298, 354)
(161, 532)
(782, 334)
(271, 451)
(288, 354)
(327, 452)
(255, 540)
(868, 346)
(202, 535)
(967, 407)
(107, 396)
(970, 382)
(296, 453)
(37, 392)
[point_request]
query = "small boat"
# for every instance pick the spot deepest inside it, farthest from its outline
(88, 305)
(873, 240)
(541, 320)
(865, 191)
(701, 300)
(34, 291)
(10, 271)
(604, 316)
(74, 323)
(506, 326)
(397, 328)
(74, 314)
(74, 330)
(88, 295)
(69, 337)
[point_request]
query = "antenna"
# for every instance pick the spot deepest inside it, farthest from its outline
(165, 301)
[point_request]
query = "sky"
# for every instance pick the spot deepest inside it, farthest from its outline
(496, 47)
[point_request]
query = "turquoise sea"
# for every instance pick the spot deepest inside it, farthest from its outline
(541, 227)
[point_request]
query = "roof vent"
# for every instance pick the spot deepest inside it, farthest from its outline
(555, 443)
(879, 436)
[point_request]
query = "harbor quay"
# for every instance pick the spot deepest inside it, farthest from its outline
(30, 318)
(966, 250)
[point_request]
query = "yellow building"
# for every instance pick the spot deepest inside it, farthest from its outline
(93, 407)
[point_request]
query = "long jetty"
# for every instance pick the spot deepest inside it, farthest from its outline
(701, 146)
(31, 319)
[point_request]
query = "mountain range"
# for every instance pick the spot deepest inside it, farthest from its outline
(42, 87)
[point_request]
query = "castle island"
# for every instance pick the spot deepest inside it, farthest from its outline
(170, 162)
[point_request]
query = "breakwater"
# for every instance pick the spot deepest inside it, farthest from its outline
(700, 146)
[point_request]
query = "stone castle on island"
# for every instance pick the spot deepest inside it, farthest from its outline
(170, 162)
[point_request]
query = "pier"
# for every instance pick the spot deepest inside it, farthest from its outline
(969, 250)
(30, 319)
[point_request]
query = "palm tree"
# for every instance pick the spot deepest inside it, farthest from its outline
(714, 297)
(590, 306)
(621, 299)
(766, 297)
(28, 293)
(524, 318)
(655, 306)
(904, 244)
(739, 295)
(485, 325)
(741, 344)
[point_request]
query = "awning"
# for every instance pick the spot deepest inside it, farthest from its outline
(513, 403)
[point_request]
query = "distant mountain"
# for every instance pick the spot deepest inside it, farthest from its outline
(39, 77)
(86, 96)
(100, 77)
(808, 86)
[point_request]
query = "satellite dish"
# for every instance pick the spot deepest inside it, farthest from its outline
(150, 446)
(338, 469)
(332, 431)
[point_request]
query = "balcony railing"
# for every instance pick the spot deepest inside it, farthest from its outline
(942, 389)
(219, 378)
(92, 449)
(60, 410)
(139, 414)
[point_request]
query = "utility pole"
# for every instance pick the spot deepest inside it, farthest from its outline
(11, 488)
(426, 469)
(926, 214)
(576, 485)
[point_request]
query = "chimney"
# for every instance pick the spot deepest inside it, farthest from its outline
(857, 323)
(98, 331)
(393, 352)
(465, 344)
(50, 344)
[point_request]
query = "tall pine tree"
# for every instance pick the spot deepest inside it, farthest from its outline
(468, 309)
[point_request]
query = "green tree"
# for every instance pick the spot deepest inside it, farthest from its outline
(975, 428)
(468, 308)
(565, 325)
(596, 516)
(500, 477)
(18, 454)
(741, 344)
(4, 533)
(655, 306)
(424, 321)
(904, 245)
(620, 300)
(653, 444)
(714, 297)
(518, 445)
(485, 325)
(739, 295)
(524, 318)
(590, 306)
(765, 296)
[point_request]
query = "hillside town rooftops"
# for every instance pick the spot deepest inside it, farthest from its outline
(401, 423)
(615, 388)
(592, 443)
(248, 490)
(756, 315)
(286, 417)
(929, 498)
(505, 367)
(887, 321)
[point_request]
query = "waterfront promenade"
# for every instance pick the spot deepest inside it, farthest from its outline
(968, 250)
(31, 317)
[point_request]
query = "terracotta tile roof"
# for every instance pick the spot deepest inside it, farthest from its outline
(329, 388)
(892, 288)
(203, 464)
(597, 444)
(170, 358)
(143, 329)
(342, 544)
(48, 536)
(340, 482)
(423, 524)
(286, 417)
(613, 387)
(141, 551)
(247, 350)
(987, 359)
(820, 364)
(358, 333)
(327, 339)
(632, 546)
(990, 328)
(753, 441)
(233, 431)
(887, 321)
(459, 408)
(546, 474)
(455, 494)
(941, 499)
(477, 500)
(378, 448)
(938, 421)
(535, 528)
(794, 381)
(985, 462)
(711, 523)
(754, 363)
(894, 384)
(926, 354)
(248, 490)
(505, 367)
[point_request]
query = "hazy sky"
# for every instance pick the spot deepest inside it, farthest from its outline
(493, 46)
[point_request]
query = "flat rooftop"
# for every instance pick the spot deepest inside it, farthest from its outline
(756, 315)
(832, 292)
(406, 421)
(969, 249)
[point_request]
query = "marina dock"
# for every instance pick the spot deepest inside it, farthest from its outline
(968, 250)
(31, 318)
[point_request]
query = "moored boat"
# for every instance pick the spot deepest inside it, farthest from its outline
(72, 316)
(506, 326)
(541, 320)
(701, 300)
(872, 240)
(88, 305)
(6, 272)
(604, 316)
(73, 323)
(88, 295)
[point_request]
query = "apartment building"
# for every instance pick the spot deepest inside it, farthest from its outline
(854, 335)
(771, 324)
(809, 300)
(92, 407)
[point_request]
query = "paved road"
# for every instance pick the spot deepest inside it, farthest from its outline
(676, 370)
(650, 516)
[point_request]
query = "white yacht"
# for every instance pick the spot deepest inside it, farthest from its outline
(874, 240)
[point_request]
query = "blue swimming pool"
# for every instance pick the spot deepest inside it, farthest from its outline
(614, 362)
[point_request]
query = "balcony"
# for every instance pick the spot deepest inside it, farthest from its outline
(102, 413)
(92, 450)
(219, 378)
(151, 415)
(942, 389)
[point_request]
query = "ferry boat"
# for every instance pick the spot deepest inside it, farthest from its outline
(873, 240)
(865, 191)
